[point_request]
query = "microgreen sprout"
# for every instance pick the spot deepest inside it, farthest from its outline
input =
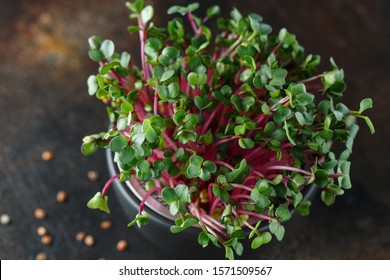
(229, 129)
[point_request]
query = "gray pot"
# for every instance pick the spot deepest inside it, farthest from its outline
(185, 244)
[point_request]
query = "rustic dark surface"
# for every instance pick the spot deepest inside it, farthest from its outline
(45, 105)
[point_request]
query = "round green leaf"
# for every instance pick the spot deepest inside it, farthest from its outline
(118, 143)
(107, 48)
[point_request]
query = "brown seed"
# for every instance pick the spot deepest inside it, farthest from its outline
(62, 196)
(93, 175)
(41, 231)
(47, 155)
(106, 225)
(5, 219)
(40, 213)
(80, 236)
(41, 256)
(89, 240)
(46, 239)
(121, 245)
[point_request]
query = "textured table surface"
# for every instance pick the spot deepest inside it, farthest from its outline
(44, 105)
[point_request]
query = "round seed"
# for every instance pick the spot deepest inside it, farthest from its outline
(41, 256)
(89, 240)
(47, 155)
(46, 239)
(93, 175)
(62, 196)
(5, 219)
(40, 213)
(41, 231)
(105, 225)
(121, 245)
(80, 236)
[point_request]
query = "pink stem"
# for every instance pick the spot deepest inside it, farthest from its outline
(109, 182)
(224, 164)
(224, 140)
(155, 103)
(264, 217)
(193, 24)
(147, 195)
(289, 168)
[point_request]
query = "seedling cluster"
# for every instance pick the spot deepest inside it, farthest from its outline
(230, 129)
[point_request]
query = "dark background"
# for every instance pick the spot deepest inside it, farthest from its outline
(44, 104)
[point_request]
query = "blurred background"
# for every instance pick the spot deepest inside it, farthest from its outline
(45, 106)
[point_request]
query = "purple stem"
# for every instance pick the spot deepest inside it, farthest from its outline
(193, 24)
(107, 185)
(289, 168)
(264, 217)
(147, 195)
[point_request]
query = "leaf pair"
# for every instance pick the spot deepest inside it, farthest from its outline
(198, 167)
(176, 198)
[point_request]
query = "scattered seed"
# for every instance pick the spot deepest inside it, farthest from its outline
(47, 155)
(89, 240)
(41, 256)
(40, 213)
(41, 231)
(46, 239)
(62, 196)
(121, 245)
(5, 219)
(106, 225)
(93, 175)
(80, 236)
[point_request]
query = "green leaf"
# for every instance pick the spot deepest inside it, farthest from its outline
(107, 48)
(182, 193)
(328, 197)
(189, 222)
(147, 14)
(118, 143)
(209, 166)
(106, 68)
(370, 125)
(260, 199)
(249, 62)
(92, 85)
(137, 135)
(283, 213)
(177, 9)
(257, 242)
(150, 133)
(267, 237)
(133, 28)
(99, 202)
(94, 42)
(166, 75)
(192, 79)
(169, 195)
(96, 55)
(246, 143)
(127, 154)
(88, 149)
(229, 254)
(282, 114)
(140, 219)
(277, 229)
(213, 11)
(300, 118)
(136, 6)
(203, 239)
(178, 117)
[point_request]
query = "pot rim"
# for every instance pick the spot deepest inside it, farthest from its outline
(153, 206)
